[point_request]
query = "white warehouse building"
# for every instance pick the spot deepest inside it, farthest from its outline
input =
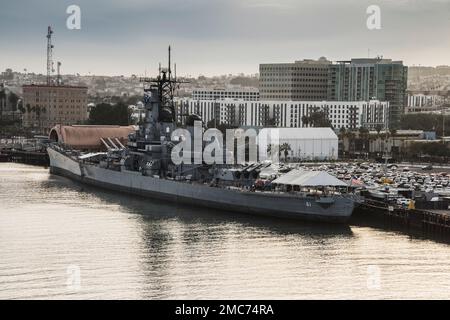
(310, 143)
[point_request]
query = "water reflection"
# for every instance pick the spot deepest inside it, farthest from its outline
(185, 244)
(130, 247)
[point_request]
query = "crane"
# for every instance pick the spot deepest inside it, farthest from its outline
(50, 69)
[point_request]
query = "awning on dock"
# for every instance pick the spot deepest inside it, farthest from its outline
(304, 178)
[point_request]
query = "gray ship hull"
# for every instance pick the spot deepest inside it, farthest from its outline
(336, 209)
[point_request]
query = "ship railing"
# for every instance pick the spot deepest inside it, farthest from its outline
(313, 195)
(321, 190)
(65, 150)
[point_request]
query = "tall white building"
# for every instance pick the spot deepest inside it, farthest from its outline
(287, 114)
(246, 94)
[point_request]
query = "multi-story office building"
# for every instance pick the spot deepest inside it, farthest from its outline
(45, 106)
(354, 80)
(304, 80)
(290, 114)
(246, 94)
(366, 79)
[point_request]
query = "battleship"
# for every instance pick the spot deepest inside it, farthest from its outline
(143, 166)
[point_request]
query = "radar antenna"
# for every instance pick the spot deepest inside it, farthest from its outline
(166, 85)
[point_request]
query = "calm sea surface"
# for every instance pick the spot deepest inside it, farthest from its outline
(60, 239)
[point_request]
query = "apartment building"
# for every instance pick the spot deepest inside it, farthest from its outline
(289, 114)
(367, 79)
(45, 106)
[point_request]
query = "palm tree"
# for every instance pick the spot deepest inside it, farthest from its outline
(37, 111)
(285, 148)
(305, 120)
(364, 135)
(342, 133)
(393, 133)
(378, 128)
(352, 140)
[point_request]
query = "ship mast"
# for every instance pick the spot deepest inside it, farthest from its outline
(165, 85)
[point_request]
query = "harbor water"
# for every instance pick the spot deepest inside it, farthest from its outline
(63, 240)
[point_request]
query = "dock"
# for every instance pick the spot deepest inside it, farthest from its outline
(27, 157)
(25, 150)
(428, 221)
(437, 221)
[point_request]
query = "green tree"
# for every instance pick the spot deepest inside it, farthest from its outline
(13, 98)
(305, 120)
(433, 149)
(245, 81)
(20, 107)
(317, 119)
(364, 136)
(378, 128)
(342, 133)
(270, 122)
(285, 148)
(110, 114)
(393, 135)
(425, 122)
(351, 140)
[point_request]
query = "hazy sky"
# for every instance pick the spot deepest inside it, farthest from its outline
(213, 37)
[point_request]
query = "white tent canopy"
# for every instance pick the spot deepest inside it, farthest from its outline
(309, 179)
(310, 143)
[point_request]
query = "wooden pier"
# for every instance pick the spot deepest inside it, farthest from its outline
(430, 222)
(28, 157)
(437, 221)
(4, 157)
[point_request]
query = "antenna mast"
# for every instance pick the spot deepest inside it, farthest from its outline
(50, 69)
(165, 86)
(168, 70)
